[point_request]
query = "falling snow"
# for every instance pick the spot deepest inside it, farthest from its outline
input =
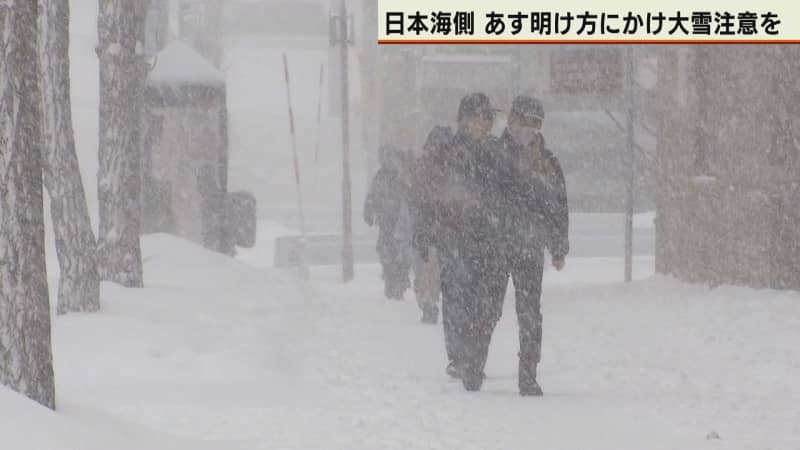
(611, 231)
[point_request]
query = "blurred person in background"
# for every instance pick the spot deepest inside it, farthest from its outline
(387, 206)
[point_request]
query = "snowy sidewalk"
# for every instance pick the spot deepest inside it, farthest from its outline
(218, 354)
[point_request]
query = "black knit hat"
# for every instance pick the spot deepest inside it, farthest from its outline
(526, 107)
(476, 104)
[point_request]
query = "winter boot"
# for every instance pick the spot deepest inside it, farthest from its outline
(528, 386)
(530, 340)
(472, 381)
(454, 370)
(531, 389)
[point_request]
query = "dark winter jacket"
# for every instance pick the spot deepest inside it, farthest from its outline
(458, 190)
(386, 200)
(538, 216)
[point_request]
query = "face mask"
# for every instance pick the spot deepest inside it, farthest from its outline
(523, 136)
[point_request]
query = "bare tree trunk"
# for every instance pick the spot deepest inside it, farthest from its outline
(79, 285)
(26, 360)
(120, 30)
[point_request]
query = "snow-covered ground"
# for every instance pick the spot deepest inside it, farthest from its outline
(215, 353)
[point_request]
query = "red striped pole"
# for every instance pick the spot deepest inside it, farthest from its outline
(301, 250)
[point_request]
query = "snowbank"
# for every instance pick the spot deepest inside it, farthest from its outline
(182, 338)
(26, 425)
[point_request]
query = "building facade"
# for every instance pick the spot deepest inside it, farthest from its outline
(728, 201)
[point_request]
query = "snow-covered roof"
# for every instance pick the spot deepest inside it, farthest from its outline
(179, 63)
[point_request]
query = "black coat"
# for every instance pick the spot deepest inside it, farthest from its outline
(387, 195)
(457, 192)
(537, 216)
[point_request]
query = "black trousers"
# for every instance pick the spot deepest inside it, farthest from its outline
(471, 277)
(396, 265)
(526, 267)
(455, 285)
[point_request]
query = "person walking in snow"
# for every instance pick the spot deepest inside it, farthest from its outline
(533, 223)
(466, 232)
(387, 206)
(428, 167)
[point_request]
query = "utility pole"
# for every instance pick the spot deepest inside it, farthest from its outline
(629, 62)
(347, 207)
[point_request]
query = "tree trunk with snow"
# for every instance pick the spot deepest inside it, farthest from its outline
(120, 30)
(79, 284)
(26, 360)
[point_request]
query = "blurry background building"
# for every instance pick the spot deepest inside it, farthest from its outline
(728, 168)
